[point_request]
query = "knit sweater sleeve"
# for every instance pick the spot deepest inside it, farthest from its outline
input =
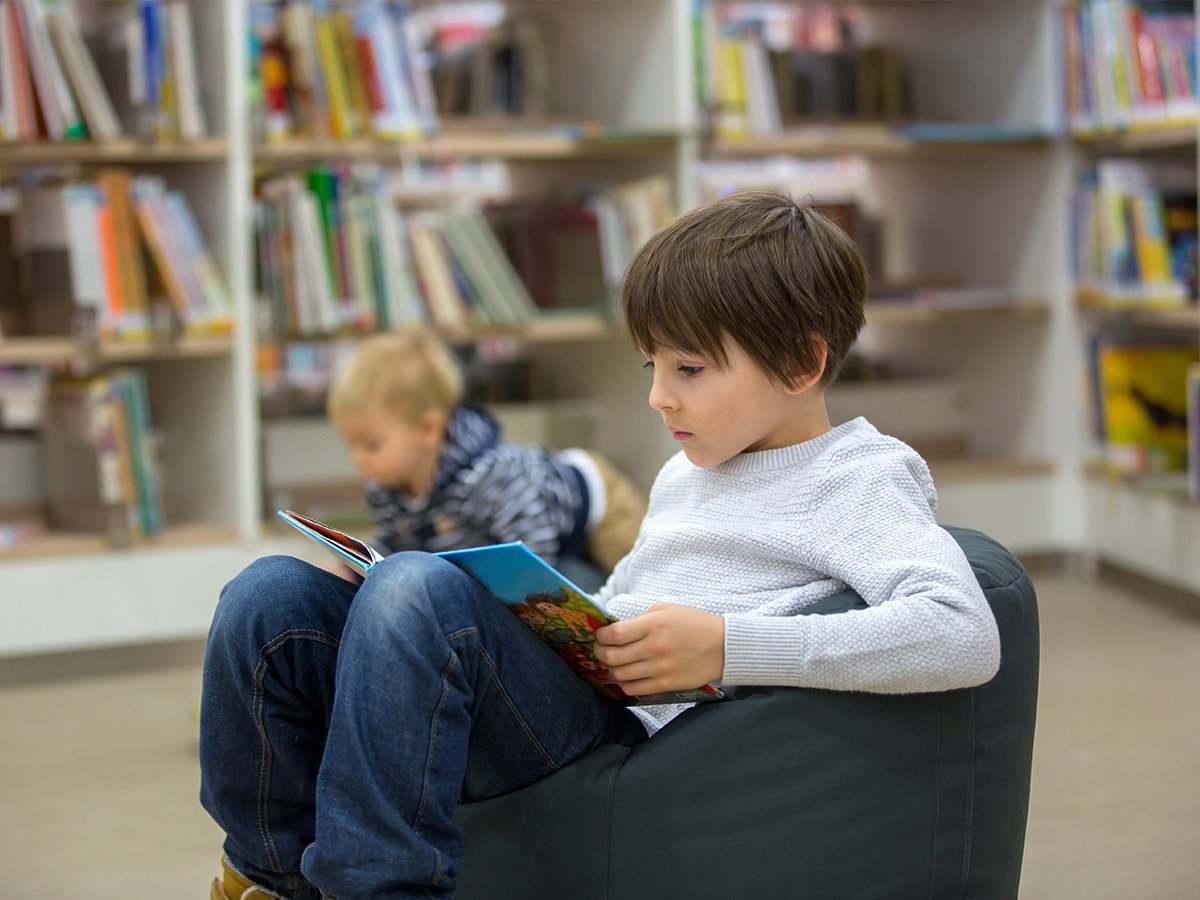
(870, 523)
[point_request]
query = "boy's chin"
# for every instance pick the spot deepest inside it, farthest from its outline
(702, 460)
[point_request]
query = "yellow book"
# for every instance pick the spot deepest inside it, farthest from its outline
(731, 103)
(1143, 404)
(1152, 250)
(343, 120)
(356, 78)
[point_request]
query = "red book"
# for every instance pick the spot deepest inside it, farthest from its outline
(366, 59)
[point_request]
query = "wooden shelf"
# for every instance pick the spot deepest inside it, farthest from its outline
(890, 312)
(1141, 139)
(945, 470)
(549, 329)
(1143, 314)
(553, 144)
(1169, 485)
(871, 140)
(66, 543)
(58, 350)
(124, 151)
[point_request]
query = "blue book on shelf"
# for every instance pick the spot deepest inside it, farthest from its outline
(554, 608)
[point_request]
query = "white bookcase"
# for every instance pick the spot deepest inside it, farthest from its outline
(993, 213)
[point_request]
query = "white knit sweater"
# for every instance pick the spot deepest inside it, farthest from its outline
(761, 536)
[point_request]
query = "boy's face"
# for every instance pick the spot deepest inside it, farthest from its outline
(715, 414)
(392, 450)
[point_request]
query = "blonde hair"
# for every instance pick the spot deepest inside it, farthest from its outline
(408, 373)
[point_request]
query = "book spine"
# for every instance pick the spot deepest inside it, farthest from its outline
(135, 306)
(343, 120)
(37, 52)
(160, 251)
(219, 308)
(192, 123)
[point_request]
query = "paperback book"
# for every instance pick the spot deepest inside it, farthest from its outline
(555, 609)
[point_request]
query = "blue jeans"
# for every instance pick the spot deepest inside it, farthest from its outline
(341, 724)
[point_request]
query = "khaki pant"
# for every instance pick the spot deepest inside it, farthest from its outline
(615, 533)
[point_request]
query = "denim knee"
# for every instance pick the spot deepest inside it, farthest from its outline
(415, 584)
(255, 592)
(275, 595)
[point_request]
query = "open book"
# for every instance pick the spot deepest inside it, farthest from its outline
(557, 611)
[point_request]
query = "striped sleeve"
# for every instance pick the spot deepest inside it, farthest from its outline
(515, 493)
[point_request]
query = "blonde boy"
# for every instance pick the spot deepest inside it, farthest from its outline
(438, 476)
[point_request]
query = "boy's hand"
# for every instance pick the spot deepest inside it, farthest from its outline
(666, 648)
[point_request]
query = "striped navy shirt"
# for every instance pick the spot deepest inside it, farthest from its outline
(487, 491)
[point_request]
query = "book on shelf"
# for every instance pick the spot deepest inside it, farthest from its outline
(341, 70)
(1134, 240)
(82, 249)
(546, 601)
(1128, 64)
(58, 85)
(762, 67)
(337, 254)
(486, 62)
(1193, 430)
(98, 451)
(555, 246)
(1140, 404)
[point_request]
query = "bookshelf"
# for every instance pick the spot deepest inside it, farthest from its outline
(1143, 140)
(954, 196)
(958, 207)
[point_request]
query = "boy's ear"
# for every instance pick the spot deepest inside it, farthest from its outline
(802, 381)
(432, 423)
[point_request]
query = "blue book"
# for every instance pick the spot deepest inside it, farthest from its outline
(554, 608)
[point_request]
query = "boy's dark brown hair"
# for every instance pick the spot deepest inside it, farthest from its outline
(770, 273)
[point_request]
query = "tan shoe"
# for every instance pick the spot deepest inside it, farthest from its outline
(233, 885)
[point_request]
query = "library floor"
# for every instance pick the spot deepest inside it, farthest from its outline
(98, 774)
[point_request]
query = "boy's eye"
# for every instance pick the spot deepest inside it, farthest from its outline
(691, 371)
(647, 365)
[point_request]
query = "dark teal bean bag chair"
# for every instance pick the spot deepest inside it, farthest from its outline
(791, 793)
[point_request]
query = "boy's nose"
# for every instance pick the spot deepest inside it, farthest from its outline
(660, 398)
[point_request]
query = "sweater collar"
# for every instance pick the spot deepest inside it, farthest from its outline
(793, 454)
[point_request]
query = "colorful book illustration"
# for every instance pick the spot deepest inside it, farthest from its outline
(555, 609)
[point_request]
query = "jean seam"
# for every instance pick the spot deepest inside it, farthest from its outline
(433, 734)
(265, 759)
(517, 717)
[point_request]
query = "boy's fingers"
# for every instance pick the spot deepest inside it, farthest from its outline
(625, 632)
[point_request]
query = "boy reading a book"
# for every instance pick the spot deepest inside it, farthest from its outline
(341, 728)
(438, 477)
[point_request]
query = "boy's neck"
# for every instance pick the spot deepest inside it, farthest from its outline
(422, 482)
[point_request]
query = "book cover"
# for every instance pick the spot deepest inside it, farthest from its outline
(1143, 391)
(1193, 430)
(549, 603)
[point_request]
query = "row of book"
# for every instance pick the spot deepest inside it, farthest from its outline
(105, 251)
(1144, 400)
(52, 87)
(337, 254)
(344, 70)
(102, 471)
(483, 62)
(763, 65)
(1129, 64)
(1135, 232)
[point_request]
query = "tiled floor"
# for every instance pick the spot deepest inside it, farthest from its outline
(98, 775)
